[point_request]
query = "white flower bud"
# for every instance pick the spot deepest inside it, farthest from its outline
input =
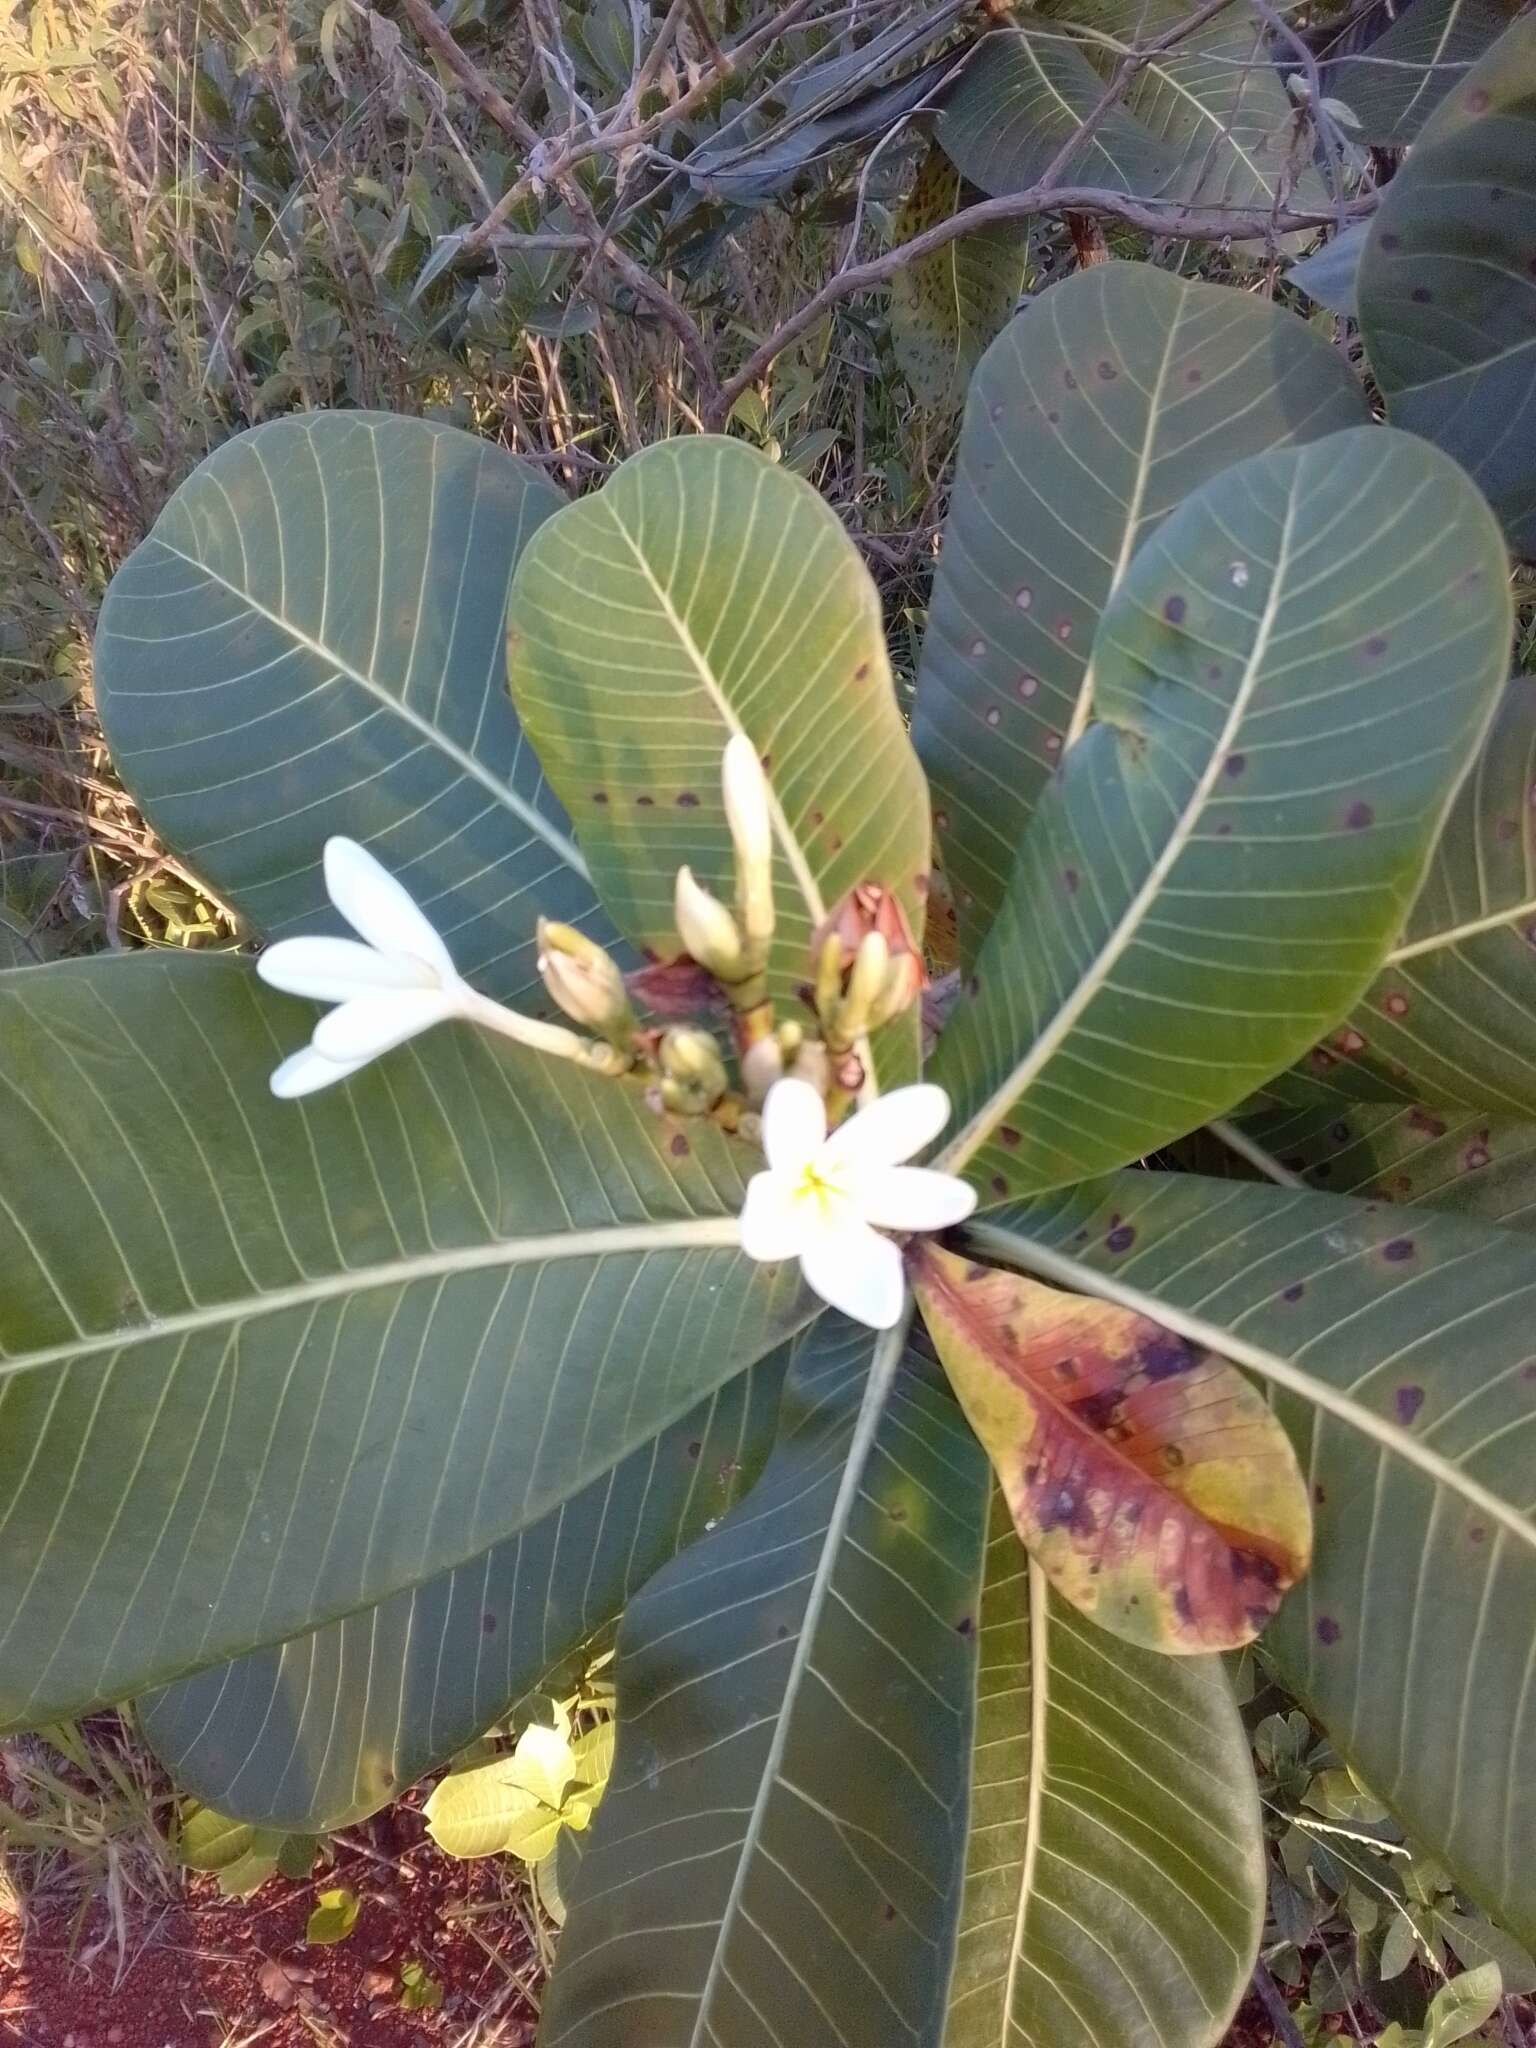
(747, 812)
(707, 928)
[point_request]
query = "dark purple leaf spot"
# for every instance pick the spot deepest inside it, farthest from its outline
(861, 672)
(973, 985)
(1358, 816)
(781, 1633)
(1194, 375)
(1295, 1291)
(1224, 829)
(1183, 1606)
(999, 1184)
(645, 802)
(695, 1448)
(1069, 380)
(1319, 1493)
(599, 796)
(1069, 880)
(679, 1147)
(1107, 373)
(1121, 1238)
(1235, 763)
(1009, 1136)
(1408, 1401)
(1421, 295)
(686, 800)
(1174, 609)
(487, 1624)
(1164, 1356)
(1389, 242)
(1054, 418)
(1375, 647)
(1478, 1533)
(1423, 1120)
(965, 1626)
(1328, 1630)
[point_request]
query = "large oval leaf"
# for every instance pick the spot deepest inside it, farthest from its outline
(705, 591)
(1451, 1018)
(1394, 81)
(264, 1363)
(1151, 1483)
(1399, 1346)
(1021, 98)
(1214, 100)
(1446, 289)
(779, 1852)
(1114, 1881)
(1117, 394)
(1227, 856)
(310, 641)
(316, 1733)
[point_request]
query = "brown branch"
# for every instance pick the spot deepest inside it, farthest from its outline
(500, 109)
(1189, 223)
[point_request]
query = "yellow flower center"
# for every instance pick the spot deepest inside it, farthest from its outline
(813, 1187)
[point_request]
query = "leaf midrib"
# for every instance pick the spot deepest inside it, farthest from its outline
(969, 1141)
(1039, 1705)
(1018, 1250)
(709, 1233)
(884, 1363)
(503, 792)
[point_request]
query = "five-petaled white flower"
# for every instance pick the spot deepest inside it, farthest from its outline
(824, 1198)
(395, 979)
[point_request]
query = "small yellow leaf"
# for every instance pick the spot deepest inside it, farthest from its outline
(1149, 1479)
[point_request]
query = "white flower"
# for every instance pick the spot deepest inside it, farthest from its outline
(745, 788)
(823, 1199)
(395, 979)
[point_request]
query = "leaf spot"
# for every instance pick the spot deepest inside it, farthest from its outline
(994, 716)
(1174, 609)
(1235, 764)
(1328, 1630)
(1408, 1401)
(1295, 1291)
(679, 1146)
(686, 800)
(1009, 1136)
(1024, 597)
(1398, 1249)
(1121, 1238)
(1358, 816)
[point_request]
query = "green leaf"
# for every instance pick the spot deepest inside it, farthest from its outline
(209, 1840)
(1329, 274)
(1479, 1941)
(783, 1832)
(1451, 1017)
(1460, 2007)
(420, 1991)
(1398, 1347)
(266, 1363)
(1099, 410)
(1397, 80)
(948, 306)
(1114, 1885)
(310, 641)
(1020, 99)
(703, 592)
(318, 1732)
(333, 1916)
(1446, 291)
(1226, 855)
(1215, 101)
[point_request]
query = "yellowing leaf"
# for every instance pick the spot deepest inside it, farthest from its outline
(333, 1915)
(1150, 1481)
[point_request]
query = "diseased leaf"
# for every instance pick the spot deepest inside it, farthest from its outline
(1147, 1477)
(1113, 1789)
(701, 592)
(1095, 413)
(1447, 292)
(267, 1363)
(948, 306)
(310, 641)
(1228, 852)
(1399, 1344)
(1451, 1018)
(1394, 83)
(321, 1731)
(779, 1851)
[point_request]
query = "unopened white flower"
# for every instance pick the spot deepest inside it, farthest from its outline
(745, 789)
(824, 1199)
(394, 980)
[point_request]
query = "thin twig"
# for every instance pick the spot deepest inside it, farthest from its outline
(1268, 1991)
(1238, 1141)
